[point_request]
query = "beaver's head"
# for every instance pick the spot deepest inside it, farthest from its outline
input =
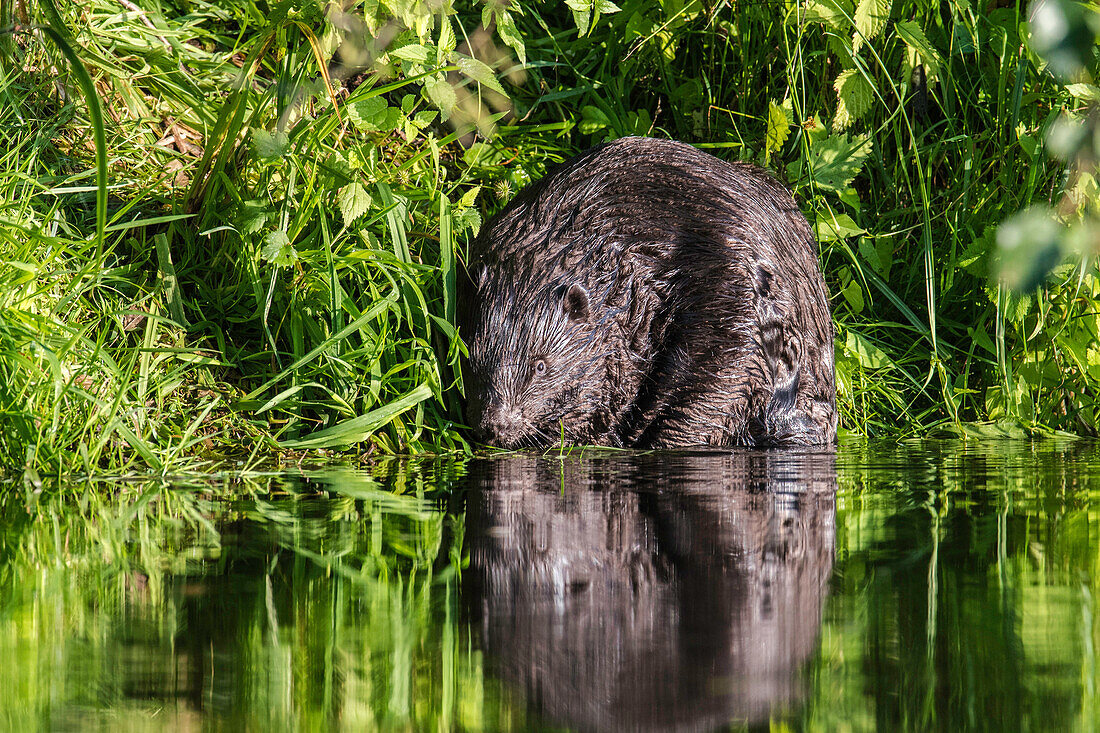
(537, 370)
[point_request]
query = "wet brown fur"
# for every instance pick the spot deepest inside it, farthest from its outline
(673, 299)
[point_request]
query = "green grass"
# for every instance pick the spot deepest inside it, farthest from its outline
(253, 250)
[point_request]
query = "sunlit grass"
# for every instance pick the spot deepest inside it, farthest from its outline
(287, 204)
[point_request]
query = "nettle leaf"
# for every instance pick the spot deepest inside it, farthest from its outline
(414, 52)
(779, 127)
(1087, 92)
(467, 219)
(870, 20)
(354, 202)
(375, 15)
(442, 95)
(854, 97)
(447, 40)
(372, 114)
(975, 258)
(479, 72)
(833, 13)
(918, 49)
(1017, 306)
(506, 29)
(833, 163)
(469, 198)
(582, 15)
(838, 46)
(278, 250)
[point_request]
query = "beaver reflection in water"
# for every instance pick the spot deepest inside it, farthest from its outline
(646, 294)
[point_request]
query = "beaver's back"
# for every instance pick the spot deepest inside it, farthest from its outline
(705, 281)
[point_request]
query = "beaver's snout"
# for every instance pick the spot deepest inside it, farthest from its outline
(498, 424)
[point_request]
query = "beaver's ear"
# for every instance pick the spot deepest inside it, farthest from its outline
(575, 303)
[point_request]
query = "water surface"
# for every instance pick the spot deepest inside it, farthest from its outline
(924, 585)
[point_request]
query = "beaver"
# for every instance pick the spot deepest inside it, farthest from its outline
(646, 294)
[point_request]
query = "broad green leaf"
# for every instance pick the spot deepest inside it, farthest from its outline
(830, 227)
(835, 161)
(480, 72)
(506, 29)
(1017, 306)
(870, 19)
(833, 13)
(447, 40)
(278, 250)
(413, 52)
(252, 215)
(639, 122)
(372, 114)
(270, 145)
(582, 15)
(1092, 357)
(469, 198)
(981, 338)
(586, 13)
(779, 127)
(442, 95)
(482, 155)
(467, 219)
(918, 49)
(854, 97)
(592, 120)
(354, 202)
(1088, 92)
(853, 293)
(877, 254)
(869, 355)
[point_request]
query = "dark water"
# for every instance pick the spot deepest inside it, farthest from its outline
(922, 586)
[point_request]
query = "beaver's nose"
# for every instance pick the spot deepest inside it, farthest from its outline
(500, 425)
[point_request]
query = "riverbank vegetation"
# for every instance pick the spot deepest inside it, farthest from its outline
(233, 229)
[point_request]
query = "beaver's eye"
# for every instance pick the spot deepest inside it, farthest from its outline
(540, 367)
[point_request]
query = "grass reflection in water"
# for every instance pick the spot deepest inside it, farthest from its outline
(523, 592)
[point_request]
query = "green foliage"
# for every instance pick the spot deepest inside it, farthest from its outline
(288, 191)
(290, 178)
